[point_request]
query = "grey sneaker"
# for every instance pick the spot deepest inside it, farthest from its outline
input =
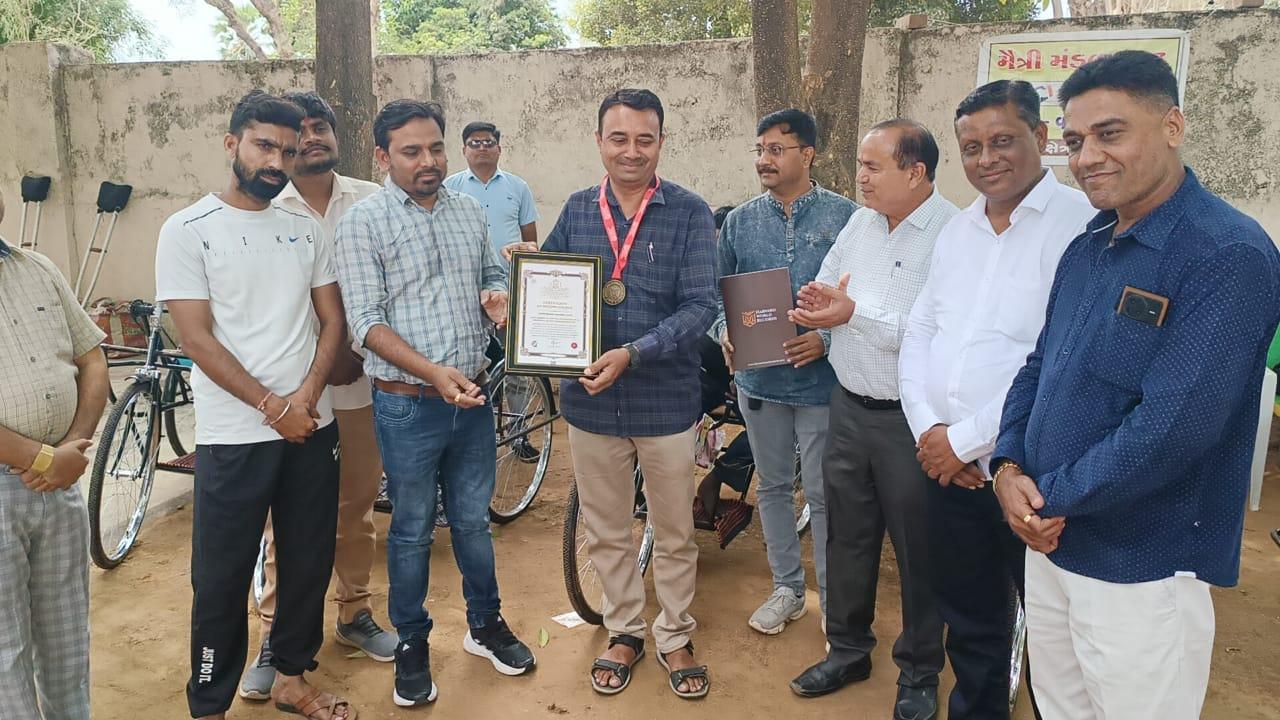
(782, 607)
(364, 634)
(257, 681)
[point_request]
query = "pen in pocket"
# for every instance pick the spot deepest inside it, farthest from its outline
(650, 252)
(896, 266)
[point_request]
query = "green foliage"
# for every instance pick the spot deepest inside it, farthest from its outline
(413, 27)
(107, 28)
(442, 26)
(627, 22)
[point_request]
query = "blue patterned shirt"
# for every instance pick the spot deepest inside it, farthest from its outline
(420, 272)
(759, 236)
(1142, 436)
(671, 301)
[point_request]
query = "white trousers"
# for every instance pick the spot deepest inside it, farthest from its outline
(1111, 651)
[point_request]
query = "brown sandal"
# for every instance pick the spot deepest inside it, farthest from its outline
(313, 703)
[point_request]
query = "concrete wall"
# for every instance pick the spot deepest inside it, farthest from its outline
(158, 126)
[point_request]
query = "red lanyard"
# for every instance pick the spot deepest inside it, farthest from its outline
(611, 229)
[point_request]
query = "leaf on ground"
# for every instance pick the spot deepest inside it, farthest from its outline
(543, 637)
(356, 655)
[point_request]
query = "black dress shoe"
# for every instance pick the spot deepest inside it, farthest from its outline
(830, 675)
(916, 703)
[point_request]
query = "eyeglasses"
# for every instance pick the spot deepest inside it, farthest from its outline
(477, 144)
(774, 150)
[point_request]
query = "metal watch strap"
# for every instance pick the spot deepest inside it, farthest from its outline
(634, 354)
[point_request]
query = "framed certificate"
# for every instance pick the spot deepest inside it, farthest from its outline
(554, 323)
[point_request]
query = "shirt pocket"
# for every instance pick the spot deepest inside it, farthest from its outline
(412, 253)
(1020, 315)
(1121, 352)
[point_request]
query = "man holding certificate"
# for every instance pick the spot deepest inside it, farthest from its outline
(792, 225)
(640, 399)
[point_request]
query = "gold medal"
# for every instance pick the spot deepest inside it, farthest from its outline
(614, 292)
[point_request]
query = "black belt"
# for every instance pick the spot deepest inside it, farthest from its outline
(871, 403)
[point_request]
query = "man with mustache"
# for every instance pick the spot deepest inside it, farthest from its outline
(315, 189)
(1127, 437)
(506, 197)
(966, 338)
(639, 401)
(246, 282)
(423, 286)
(871, 479)
(793, 224)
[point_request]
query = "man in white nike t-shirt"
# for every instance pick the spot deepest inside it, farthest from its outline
(248, 284)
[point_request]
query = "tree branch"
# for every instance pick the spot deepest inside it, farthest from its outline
(275, 25)
(233, 21)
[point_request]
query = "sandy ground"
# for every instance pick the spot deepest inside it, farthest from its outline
(140, 624)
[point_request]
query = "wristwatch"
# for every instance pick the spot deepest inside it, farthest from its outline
(43, 461)
(634, 353)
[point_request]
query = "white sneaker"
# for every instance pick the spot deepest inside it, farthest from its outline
(783, 606)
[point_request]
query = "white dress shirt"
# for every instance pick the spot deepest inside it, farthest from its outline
(347, 191)
(981, 311)
(887, 270)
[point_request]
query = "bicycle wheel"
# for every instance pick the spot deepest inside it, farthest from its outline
(124, 468)
(1018, 627)
(586, 595)
(519, 403)
(802, 505)
(180, 413)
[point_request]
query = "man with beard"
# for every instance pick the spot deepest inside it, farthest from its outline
(423, 286)
(245, 282)
(966, 338)
(1127, 437)
(316, 190)
(793, 225)
(640, 400)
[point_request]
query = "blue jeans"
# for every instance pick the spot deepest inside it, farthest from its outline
(428, 445)
(775, 430)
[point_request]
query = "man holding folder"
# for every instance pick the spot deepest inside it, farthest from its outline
(791, 225)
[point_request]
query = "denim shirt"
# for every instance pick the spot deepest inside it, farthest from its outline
(759, 236)
(1139, 433)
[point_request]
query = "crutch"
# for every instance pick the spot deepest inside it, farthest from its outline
(111, 200)
(35, 190)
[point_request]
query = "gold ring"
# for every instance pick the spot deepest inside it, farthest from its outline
(1026, 518)
(458, 398)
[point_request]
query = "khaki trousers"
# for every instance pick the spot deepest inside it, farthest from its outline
(607, 495)
(360, 468)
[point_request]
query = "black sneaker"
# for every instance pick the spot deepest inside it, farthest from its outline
(525, 451)
(496, 642)
(413, 674)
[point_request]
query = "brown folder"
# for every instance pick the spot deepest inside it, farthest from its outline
(755, 310)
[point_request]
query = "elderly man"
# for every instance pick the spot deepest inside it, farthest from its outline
(1126, 439)
(970, 331)
(52, 390)
(871, 478)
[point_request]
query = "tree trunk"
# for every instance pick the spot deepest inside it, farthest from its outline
(833, 87)
(375, 17)
(275, 25)
(775, 49)
(233, 21)
(344, 77)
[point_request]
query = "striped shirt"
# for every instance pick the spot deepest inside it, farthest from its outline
(42, 331)
(887, 271)
(419, 272)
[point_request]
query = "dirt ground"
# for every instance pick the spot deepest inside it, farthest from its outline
(140, 633)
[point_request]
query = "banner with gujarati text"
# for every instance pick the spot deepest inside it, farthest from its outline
(1047, 59)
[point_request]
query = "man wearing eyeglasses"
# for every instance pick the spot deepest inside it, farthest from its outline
(792, 224)
(507, 200)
